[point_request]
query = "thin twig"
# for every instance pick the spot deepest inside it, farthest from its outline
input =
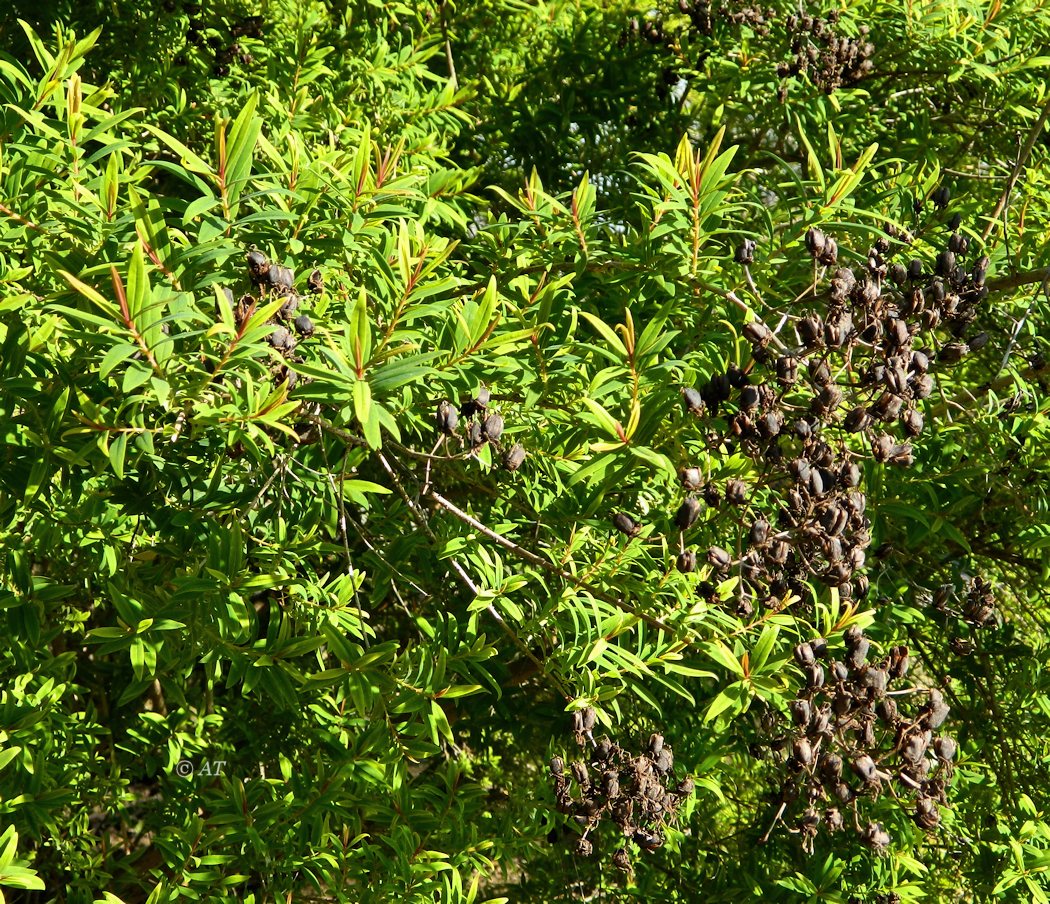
(1022, 159)
(530, 556)
(420, 518)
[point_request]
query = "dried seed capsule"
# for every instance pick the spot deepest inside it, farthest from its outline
(687, 513)
(864, 767)
(876, 837)
(745, 252)
(514, 457)
(625, 524)
(690, 478)
(475, 435)
(281, 339)
(557, 765)
(815, 241)
(749, 397)
(914, 269)
(881, 447)
(693, 402)
(946, 263)
(787, 370)
(304, 326)
(493, 427)
(315, 281)
(804, 654)
(814, 675)
(926, 816)
(914, 747)
(757, 333)
(831, 767)
(819, 372)
(280, 278)
(810, 330)
(945, 749)
(258, 265)
(584, 847)
(736, 491)
(922, 387)
(759, 532)
(850, 475)
(664, 761)
(656, 743)
(803, 751)
(830, 254)
(580, 773)
(941, 196)
(686, 561)
(858, 653)
(719, 558)
(446, 417)
(898, 662)
(621, 860)
(801, 712)
(886, 709)
(899, 274)
(936, 710)
(856, 420)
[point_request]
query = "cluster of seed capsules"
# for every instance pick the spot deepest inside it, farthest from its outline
(481, 426)
(702, 16)
(271, 280)
(861, 368)
(830, 58)
(639, 794)
(851, 739)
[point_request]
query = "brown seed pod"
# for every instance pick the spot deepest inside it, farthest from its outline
(759, 532)
(514, 457)
(686, 561)
(787, 370)
(492, 428)
(876, 837)
(258, 265)
(693, 401)
(584, 847)
(736, 491)
(690, 478)
(815, 242)
(757, 333)
(625, 524)
(801, 712)
(687, 513)
(447, 418)
(856, 420)
(945, 749)
(719, 558)
(621, 860)
(304, 326)
(953, 352)
(281, 339)
(936, 710)
(315, 282)
(926, 816)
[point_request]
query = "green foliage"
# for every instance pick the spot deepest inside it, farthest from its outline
(269, 633)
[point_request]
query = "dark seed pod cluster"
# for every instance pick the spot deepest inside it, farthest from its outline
(638, 795)
(822, 50)
(270, 279)
(813, 417)
(853, 737)
(481, 426)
